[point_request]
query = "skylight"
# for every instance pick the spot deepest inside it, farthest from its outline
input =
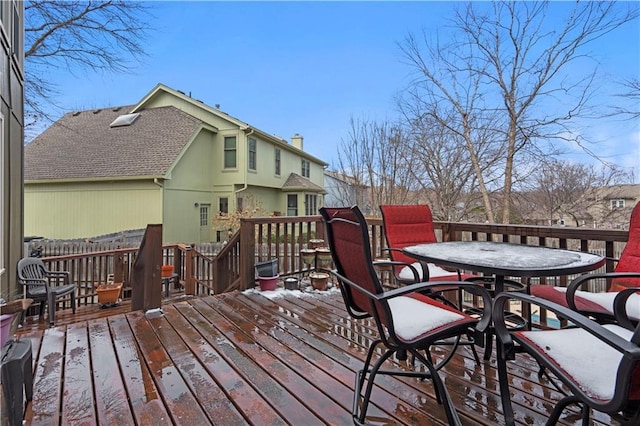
(125, 120)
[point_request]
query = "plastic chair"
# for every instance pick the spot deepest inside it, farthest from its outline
(17, 378)
(600, 305)
(407, 320)
(599, 365)
(45, 286)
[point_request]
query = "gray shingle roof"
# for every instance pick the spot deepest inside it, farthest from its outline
(295, 182)
(82, 145)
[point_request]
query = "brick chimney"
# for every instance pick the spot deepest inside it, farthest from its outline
(296, 141)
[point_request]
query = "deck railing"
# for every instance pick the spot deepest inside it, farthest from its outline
(282, 238)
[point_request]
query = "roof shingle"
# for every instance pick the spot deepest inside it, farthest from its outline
(83, 145)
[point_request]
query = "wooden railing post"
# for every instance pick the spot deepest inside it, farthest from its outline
(189, 279)
(247, 254)
(147, 280)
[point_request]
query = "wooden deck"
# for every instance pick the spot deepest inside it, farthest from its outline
(243, 358)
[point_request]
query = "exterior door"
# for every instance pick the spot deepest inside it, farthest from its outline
(205, 226)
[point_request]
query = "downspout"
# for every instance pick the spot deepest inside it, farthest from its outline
(245, 186)
(157, 182)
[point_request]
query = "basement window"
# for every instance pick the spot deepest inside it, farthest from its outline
(125, 120)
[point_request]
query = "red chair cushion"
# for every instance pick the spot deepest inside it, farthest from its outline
(630, 257)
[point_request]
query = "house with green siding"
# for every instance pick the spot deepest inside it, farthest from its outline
(169, 159)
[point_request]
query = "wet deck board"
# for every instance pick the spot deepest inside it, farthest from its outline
(242, 358)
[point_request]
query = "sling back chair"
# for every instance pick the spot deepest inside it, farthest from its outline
(406, 319)
(44, 286)
(599, 364)
(599, 305)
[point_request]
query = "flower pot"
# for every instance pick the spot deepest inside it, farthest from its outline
(109, 294)
(324, 257)
(167, 271)
(308, 256)
(313, 244)
(267, 269)
(291, 283)
(5, 328)
(319, 280)
(268, 283)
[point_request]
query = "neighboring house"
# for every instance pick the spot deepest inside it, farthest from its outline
(612, 206)
(343, 190)
(169, 159)
(11, 143)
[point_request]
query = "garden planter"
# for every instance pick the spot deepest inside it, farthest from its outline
(319, 280)
(291, 283)
(268, 268)
(268, 283)
(109, 294)
(324, 258)
(308, 256)
(167, 271)
(5, 328)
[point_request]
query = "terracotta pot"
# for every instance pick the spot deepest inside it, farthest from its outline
(167, 271)
(108, 294)
(319, 280)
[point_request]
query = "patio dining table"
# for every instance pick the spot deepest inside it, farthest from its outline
(505, 260)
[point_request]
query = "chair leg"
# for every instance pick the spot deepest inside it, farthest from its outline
(503, 380)
(442, 395)
(370, 380)
(52, 309)
(73, 301)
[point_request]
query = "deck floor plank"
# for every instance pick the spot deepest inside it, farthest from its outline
(146, 404)
(112, 407)
(47, 389)
(213, 401)
(259, 367)
(78, 405)
(182, 405)
(243, 358)
(238, 388)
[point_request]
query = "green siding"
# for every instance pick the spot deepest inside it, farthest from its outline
(84, 210)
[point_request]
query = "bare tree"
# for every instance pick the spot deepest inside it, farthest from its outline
(89, 35)
(506, 60)
(563, 189)
(374, 156)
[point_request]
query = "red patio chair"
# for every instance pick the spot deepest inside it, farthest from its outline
(598, 364)
(406, 319)
(600, 305)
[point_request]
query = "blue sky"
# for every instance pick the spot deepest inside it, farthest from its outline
(307, 67)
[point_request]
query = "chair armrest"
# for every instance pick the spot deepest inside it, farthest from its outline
(620, 307)
(582, 279)
(577, 319)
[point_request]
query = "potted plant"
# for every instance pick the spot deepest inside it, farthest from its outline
(109, 294)
(319, 280)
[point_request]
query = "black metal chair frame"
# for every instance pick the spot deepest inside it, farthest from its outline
(378, 308)
(511, 342)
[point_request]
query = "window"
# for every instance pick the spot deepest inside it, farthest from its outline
(292, 205)
(204, 215)
(252, 154)
(277, 159)
(230, 152)
(310, 205)
(305, 168)
(223, 205)
(617, 204)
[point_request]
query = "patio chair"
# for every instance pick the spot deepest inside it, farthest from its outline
(44, 286)
(599, 305)
(406, 319)
(598, 364)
